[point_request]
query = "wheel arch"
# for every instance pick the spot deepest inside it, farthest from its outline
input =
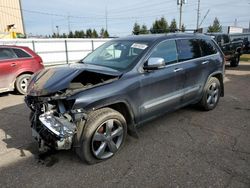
(219, 76)
(238, 50)
(125, 109)
(13, 85)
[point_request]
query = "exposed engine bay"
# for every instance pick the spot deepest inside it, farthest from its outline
(53, 119)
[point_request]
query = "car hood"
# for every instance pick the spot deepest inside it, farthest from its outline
(52, 80)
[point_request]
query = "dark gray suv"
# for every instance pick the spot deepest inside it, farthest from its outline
(92, 105)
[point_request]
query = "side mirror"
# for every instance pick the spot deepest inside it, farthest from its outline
(154, 63)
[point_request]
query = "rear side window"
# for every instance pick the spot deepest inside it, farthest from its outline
(20, 53)
(166, 50)
(207, 47)
(6, 53)
(188, 49)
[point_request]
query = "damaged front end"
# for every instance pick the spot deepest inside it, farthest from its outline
(54, 121)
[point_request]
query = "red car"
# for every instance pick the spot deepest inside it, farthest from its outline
(17, 64)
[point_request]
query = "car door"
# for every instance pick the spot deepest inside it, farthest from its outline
(161, 89)
(189, 54)
(7, 67)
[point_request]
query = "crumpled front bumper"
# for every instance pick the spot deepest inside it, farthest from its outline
(56, 132)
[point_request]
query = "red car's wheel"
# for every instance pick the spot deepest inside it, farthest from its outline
(22, 83)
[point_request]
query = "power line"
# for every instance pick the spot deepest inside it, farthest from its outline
(135, 6)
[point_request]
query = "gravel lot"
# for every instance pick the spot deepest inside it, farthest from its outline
(187, 148)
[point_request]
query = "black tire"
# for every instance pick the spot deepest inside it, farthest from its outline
(235, 61)
(96, 128)
(22, 83)
(211, 94)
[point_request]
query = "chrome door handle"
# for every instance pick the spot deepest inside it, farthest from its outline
(13, 64)
(205, 62)
(178, 69)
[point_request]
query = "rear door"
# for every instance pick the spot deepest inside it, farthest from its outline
(161, 89)
(209, 57)
(189, 54)
(8, 67)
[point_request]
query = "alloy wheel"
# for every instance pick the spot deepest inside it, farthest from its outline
(107, 139)
(24, 84)
(212, 94)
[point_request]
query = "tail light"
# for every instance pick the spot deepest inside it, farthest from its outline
(40, 61)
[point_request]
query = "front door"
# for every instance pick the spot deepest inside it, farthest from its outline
(161, 89)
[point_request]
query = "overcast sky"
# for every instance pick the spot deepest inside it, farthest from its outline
(42, 16)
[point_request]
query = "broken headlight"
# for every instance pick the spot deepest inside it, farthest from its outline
(60, 126)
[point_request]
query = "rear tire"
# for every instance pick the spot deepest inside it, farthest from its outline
(211, 94)
(235, 61)
(21, 84)
(103, 135)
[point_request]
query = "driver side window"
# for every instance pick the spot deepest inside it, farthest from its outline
(166, 50)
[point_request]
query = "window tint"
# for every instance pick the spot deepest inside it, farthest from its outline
(20, 53)
(166, 50)
(6, 53)
(188, 49)
(207, 47)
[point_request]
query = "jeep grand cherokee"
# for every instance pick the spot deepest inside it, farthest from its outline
(93, 104)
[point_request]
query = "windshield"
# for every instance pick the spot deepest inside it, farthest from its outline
(118, 55)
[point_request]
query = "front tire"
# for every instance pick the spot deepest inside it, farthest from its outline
(211, 94)
(21, 84)
(103, 135)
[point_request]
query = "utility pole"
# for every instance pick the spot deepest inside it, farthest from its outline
(180, 2)
(235, 22)
(57, 29)
(68, 19)
(106, 18)
(198, 15)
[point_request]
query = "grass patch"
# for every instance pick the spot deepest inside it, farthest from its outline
(245, 57)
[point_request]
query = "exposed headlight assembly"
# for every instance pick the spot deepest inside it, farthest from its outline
(60, 126)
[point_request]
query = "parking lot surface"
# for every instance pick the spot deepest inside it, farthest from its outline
(186, 148)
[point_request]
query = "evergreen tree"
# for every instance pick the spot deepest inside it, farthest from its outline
(173, 26)
(160, 26)
(81, 34)
(106, 34)
(89, 33)
(94, 34)
(76, 34)
(216, 27)
(102, 33)
(54, 35)
(71, 35)
(64, 35)
(144, 29)
(136, 29)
